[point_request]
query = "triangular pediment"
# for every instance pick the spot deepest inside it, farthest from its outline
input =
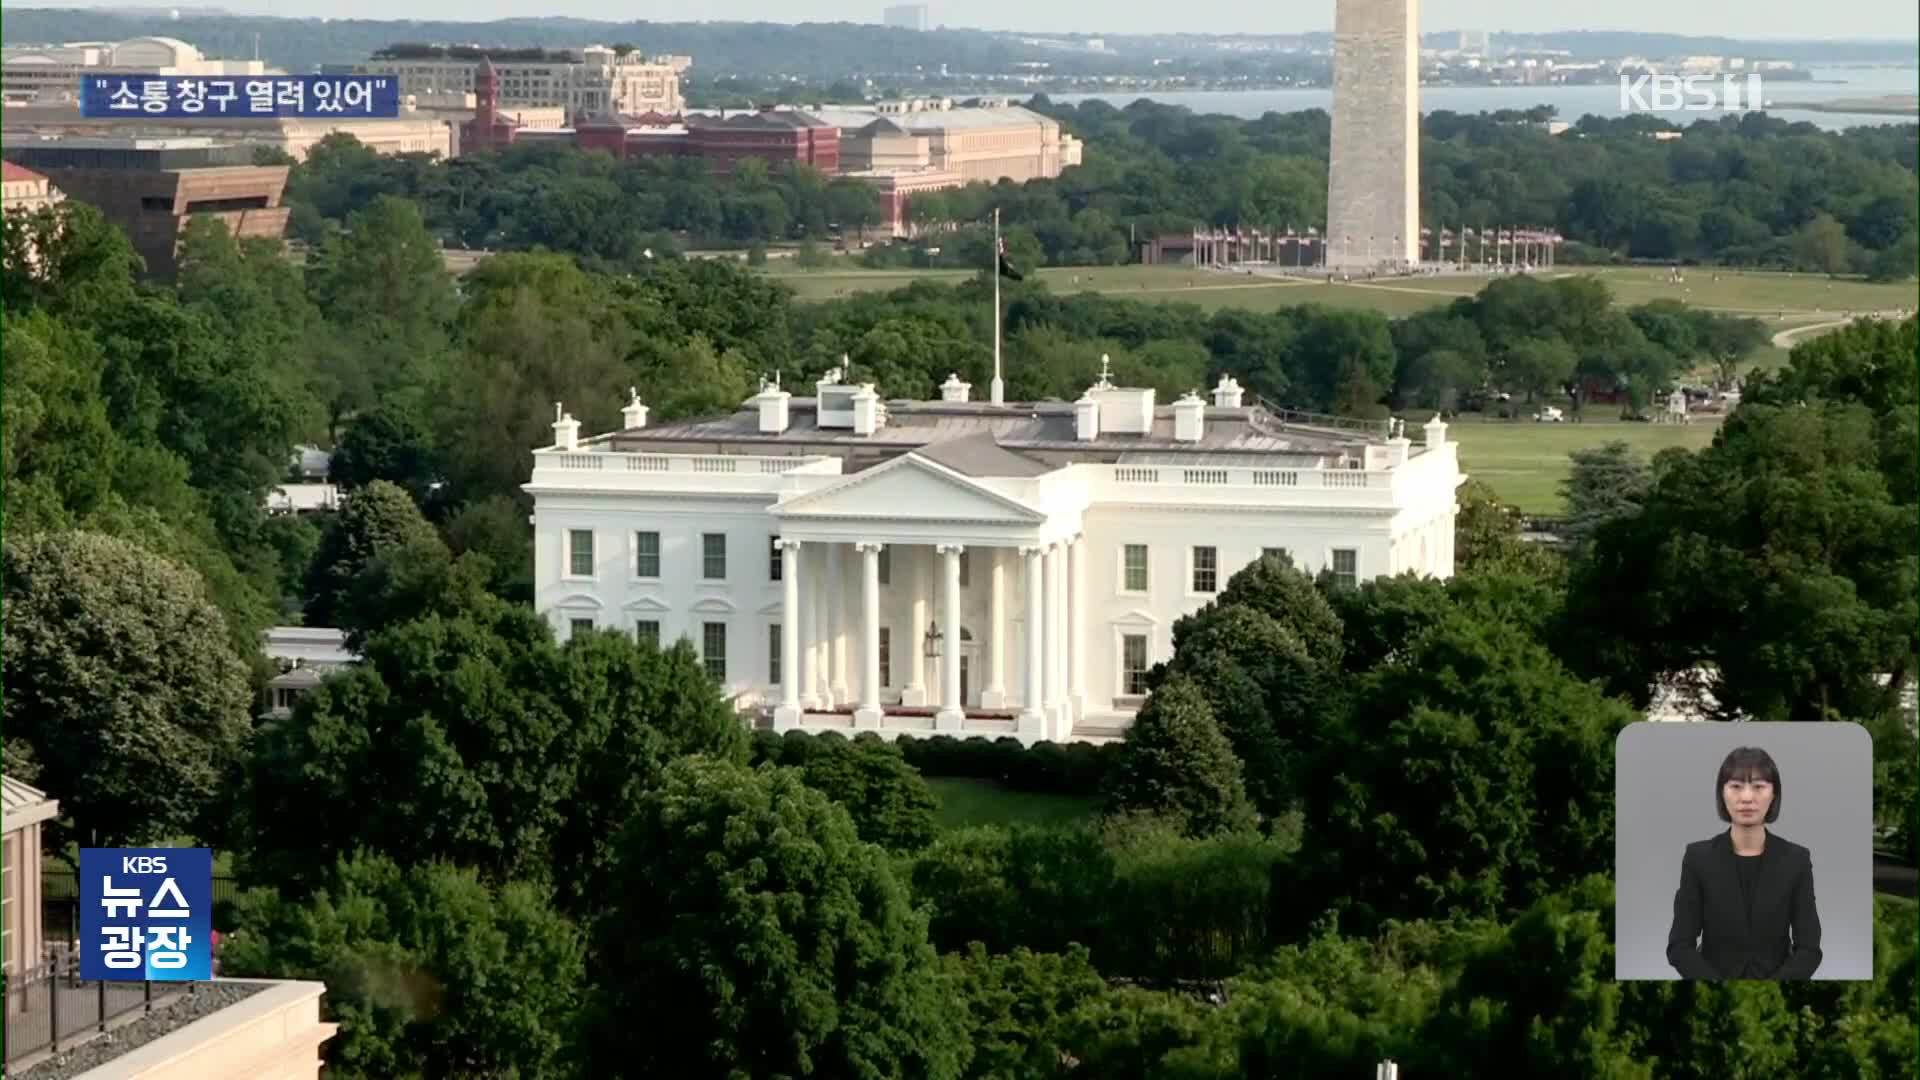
(649, 604)
(908, 488)
(1137, 617)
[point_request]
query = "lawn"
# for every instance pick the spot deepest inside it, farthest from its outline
(966, 802)
(1525, 461)
(1780, 300)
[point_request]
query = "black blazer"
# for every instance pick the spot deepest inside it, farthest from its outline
(1733, 941)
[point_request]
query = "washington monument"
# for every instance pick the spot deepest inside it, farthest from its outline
(1373, 175)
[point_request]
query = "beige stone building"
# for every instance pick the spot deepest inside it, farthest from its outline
(907, 147)
(415, 131)
(25, 189)
(28, 72)
(596, 80)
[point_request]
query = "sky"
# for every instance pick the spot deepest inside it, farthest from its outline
(1734, 18)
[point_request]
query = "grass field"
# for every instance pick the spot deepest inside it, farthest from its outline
(1780, 300)
(1525, 461)
(982, 802)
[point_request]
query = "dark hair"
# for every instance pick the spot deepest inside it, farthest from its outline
(1748, 763)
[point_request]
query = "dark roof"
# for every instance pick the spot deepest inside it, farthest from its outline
(785, 118)
(1026, 427)
(979, 455)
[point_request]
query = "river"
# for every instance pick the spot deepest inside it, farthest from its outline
(1572, 102)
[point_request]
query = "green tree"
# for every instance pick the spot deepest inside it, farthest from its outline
(1777, 559)
(392, 441)
(429, 971)
(1606, 483)
(763, 939)
(890, 804)
(380, 519)
(1471, 769)
(1178, 763)
(1018, 1006)
(1822, 244)
(1486, 533)
(468, 735)
(121, 680)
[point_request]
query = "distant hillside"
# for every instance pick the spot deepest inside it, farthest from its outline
(813, 50)
(820, 51)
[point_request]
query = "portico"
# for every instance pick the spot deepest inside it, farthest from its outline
(919, 546)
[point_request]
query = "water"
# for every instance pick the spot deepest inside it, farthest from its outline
(1572, 102)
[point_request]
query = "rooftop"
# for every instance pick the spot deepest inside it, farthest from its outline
(930, 120)
(13, 174)
(24, 805)
(1044, 425)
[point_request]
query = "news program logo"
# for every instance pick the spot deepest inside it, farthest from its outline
(1692, 93)
(146, 914)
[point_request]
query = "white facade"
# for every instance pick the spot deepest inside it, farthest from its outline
(813, 554)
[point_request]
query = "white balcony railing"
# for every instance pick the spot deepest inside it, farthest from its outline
(587, 467)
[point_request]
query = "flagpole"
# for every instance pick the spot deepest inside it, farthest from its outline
(999, 386)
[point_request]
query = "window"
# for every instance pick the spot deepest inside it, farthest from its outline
(1275, 553)
(646, 554)
(713, 649)
(1346, 566)
(579, 626)
(773, 654)
(886, 567)
(6, 910)
(1133, 665)
(713, 551)
(1206, 569)
(647, 632)
(580, 552)
(1134, 564)
(773, 561)
(886, 656)
(966, 569)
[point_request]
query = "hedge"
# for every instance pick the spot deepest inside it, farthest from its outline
(1045, 768)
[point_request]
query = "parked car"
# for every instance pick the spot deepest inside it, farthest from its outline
(1550, 415)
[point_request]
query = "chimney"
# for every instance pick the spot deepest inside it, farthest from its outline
(566, 430)
(1189, 418)
(1086, 418)
(1226, 395)
(953, 389)
(1436, 432)
(773, 406)
(635, 414)
(866, 410)
(1398, 449)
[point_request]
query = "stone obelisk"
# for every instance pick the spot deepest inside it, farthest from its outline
(1373, 175)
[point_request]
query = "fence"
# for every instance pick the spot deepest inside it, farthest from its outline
(50, 1008)
(60, 903)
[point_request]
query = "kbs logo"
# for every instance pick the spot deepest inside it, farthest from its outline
(1692, 93)
(146, 913)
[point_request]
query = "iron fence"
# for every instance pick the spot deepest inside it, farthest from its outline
(50, 1008)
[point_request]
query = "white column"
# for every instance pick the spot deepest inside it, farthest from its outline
(787, 716)
(951, 712)
(915, 692)
(1077, 630)
(804, 635)
(1032, 713)
(817, 628)
(994, 695)
(837, 623)
(1054, 635)
(869, 713)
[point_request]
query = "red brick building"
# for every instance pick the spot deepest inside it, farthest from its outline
(776, 138)
(488, 130)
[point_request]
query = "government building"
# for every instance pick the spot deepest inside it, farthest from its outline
(847, 563)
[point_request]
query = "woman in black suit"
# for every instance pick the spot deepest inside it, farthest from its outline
(1745, 906)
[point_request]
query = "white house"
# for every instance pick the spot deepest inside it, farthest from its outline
(958, 566)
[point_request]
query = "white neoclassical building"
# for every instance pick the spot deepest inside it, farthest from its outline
(857, 564)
